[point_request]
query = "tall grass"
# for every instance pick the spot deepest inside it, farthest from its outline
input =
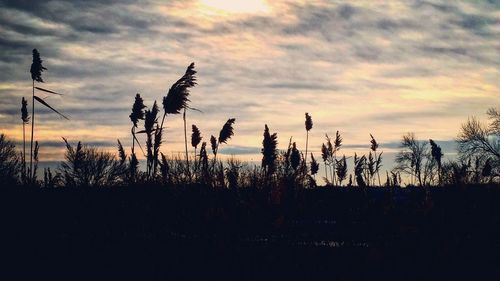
(269, 152)
(36, 75)
(136, 115)
(195, 141)
(279, 170)
(225, 134)
(308, 125)
(378, 158)
(177, 99)
(150, 120)
(25, 119)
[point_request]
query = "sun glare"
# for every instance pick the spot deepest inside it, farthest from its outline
(235, 6)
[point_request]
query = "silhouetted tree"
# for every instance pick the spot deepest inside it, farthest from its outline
(410, 159)
(481, 141)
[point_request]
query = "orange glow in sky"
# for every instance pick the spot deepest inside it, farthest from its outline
(235, 6)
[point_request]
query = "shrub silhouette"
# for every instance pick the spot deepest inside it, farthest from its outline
(86, 166)
(9, 161)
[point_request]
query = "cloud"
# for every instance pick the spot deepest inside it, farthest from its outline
(239, 150)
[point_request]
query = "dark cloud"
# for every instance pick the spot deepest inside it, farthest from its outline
(62, 144)
(239, 150)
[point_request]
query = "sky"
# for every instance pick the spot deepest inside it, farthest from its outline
(360, 67)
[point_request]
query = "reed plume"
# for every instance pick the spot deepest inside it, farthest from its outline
(342, 169)
(324, 156)
(136, 115)
(269, 151)
(121, 153)
(195, 137)
(308, 124)
(336, 147)
(225, 134)
(204, 162)
(25, 118)
(195, 140)
(227, 131)
(295, 158)
(213, 144)
(177, 99)
(359, 170)
(150, 119)
(371, 167)
(378, 160)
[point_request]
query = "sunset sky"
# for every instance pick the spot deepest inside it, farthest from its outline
(360, 67)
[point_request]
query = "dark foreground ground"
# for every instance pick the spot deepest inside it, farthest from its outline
(189, 233)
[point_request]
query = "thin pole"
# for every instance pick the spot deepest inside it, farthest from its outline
(185, 143)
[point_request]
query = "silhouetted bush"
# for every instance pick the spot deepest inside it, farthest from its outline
(9, 161)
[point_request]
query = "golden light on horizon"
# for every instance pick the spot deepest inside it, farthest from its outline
(235, 6)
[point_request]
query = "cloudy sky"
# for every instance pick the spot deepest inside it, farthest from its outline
(360, 67)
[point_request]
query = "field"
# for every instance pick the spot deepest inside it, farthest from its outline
(150, 232)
